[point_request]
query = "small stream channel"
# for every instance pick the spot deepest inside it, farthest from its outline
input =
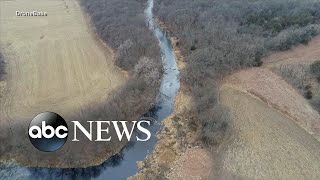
(122, 165)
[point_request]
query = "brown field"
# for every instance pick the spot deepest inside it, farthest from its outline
(55, 63)
(275, 132)
(266, 144)
(278, 94)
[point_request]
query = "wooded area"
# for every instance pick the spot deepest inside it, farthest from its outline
(218, 37)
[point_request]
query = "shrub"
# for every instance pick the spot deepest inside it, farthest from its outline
(275, 16)
(148, 71)
(2, 66)
(308, 94)
(315, 102)
(298, 75)
(290, 37)
(215, 122)
(315, 70)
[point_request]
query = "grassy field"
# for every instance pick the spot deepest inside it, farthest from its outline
(278, 94)
(265, 144)
(275, 131)
(55, 63)
(298, 67)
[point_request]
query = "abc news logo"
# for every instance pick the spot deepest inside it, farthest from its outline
(48, 131)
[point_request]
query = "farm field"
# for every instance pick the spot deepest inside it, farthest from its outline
(54, 63)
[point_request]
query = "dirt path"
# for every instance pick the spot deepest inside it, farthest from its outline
(55, 63)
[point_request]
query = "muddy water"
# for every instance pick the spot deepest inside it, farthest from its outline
(122, 165)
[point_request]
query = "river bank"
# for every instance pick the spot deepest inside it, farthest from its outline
(73, 74)
(179, 142)
(125, 160)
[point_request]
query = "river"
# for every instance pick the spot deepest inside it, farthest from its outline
(122, 165)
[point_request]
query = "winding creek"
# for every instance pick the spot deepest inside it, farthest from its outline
(123, 164)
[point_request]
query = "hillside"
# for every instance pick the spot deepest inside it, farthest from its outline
(266, 144)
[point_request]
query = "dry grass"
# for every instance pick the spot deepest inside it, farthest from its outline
(194, 164)
(55, 63)
(277, 93)
(294, 66)
(266, 144)
(68, 66)
(275, 133)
